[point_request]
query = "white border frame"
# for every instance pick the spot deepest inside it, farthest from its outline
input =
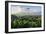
(24, 29)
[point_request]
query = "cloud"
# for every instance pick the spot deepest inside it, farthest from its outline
(16, 9)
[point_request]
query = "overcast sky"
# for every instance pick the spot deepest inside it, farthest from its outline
(18, 8)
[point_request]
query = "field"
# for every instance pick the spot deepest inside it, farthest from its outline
(26, 21)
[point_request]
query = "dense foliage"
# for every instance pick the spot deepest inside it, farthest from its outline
(25, 21)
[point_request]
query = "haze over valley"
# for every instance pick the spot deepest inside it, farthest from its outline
(26, 10)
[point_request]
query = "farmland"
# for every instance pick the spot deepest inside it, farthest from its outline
(26, 21)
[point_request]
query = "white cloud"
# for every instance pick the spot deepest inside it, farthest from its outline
(16, 9)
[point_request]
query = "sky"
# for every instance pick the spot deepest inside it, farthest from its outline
(19, 8)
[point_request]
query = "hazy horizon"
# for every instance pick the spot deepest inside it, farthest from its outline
(20, 9)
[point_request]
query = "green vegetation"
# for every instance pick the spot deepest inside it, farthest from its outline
(25, 21)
